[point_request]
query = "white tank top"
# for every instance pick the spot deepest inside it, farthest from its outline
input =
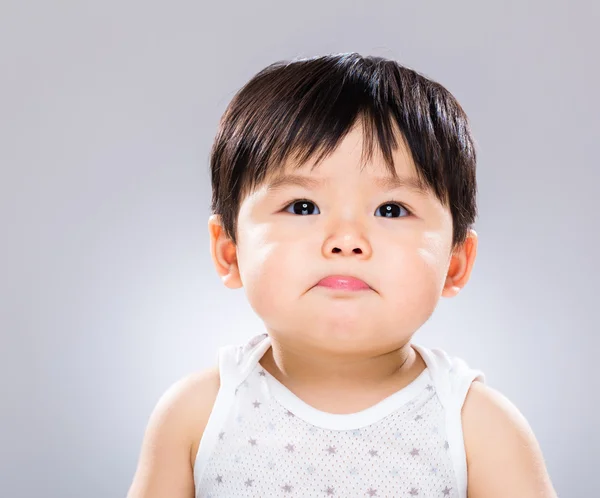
(262, 441)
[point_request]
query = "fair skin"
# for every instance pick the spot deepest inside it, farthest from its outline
(342, 352)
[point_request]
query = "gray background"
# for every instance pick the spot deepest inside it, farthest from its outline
(107, 290)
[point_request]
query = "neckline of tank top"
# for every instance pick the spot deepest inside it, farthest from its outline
(343, 421)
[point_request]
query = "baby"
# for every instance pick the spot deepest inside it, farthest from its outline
(344, 195)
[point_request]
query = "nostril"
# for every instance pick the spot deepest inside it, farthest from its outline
(357, 250)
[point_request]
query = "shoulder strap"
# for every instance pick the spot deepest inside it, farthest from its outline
(451, 374)
(236, 361)
(453, 378)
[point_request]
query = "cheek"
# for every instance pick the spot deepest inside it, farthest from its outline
(434, 257)
(273, 272)
(417, 273)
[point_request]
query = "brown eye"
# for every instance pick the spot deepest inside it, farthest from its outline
(390, 210)
(302, 207)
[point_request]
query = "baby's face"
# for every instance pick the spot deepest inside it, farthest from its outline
(332, 221)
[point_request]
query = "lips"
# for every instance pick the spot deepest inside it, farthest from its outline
(343, 282)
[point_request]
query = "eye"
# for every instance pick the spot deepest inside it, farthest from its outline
(302, 207)
(390, 210)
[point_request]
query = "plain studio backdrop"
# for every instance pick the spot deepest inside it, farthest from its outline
(107, 291)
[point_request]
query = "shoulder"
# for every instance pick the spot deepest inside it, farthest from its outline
(189, 400)
(503, 455)
(202, 389)
(198, 394)
(166, 461)
(185, 406)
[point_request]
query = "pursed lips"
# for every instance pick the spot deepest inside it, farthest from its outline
(343, 282)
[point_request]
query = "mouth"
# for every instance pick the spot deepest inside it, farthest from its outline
(343, 283)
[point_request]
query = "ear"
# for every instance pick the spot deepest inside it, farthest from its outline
(224, 253)
(461, 264)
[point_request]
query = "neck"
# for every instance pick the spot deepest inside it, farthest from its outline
(302, 366)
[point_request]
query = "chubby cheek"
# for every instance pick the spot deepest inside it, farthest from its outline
(273, 273)
(415, 278)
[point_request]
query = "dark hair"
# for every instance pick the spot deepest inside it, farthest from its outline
(304, 108)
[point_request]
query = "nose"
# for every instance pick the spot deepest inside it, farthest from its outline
(347, 239)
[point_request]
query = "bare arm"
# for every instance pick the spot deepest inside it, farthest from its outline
(165, 466)
(503, 456)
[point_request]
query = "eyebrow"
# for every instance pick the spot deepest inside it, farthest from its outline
(403, 182)
(385, 183)
(281, 181)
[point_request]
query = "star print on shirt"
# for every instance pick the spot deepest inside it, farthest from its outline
(329, 462)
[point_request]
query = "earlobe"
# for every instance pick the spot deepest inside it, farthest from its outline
(461, 265)
(224, 253)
